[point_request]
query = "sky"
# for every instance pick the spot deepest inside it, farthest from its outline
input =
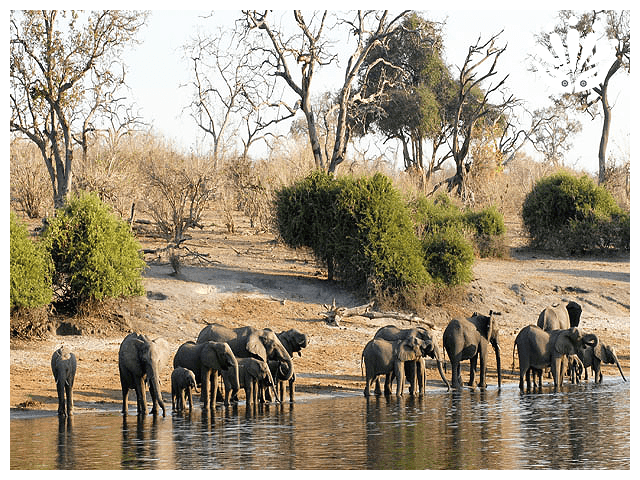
(157, 72)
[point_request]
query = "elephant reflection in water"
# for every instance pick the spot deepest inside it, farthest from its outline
(66, 458)
(139, 450)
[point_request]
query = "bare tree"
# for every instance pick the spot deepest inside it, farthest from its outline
(553, 136)
(472, 104)
(616, 27)
(62, 63)
(309, 50)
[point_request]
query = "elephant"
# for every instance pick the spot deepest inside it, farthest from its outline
(538, 349)
(251, 373)
(392, 333)
(576, 368)
(595, 356)
(559, 317)
(262, 344)
(140, 360)
(469, 339)
(63, 366)
(182, 381)
(382, 357)
(206, 360)
(293, 341)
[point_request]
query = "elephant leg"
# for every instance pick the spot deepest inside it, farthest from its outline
(387, 384)
(248, 393)
(378, 390)
(473, 362)
(455, 374)
(367, 383)
(69, 392)
(214, 389)
(399, 371)
(61, 407)
(483, 369)
(141, 396)
(291, 390)
(524, 374)
(204, 389)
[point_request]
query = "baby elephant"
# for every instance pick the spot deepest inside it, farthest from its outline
(251, 373)
(63, 365)
(182, 381)
(595, 356)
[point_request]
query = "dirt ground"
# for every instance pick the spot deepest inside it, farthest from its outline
(247, 278)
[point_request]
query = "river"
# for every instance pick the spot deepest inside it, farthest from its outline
(583, 426)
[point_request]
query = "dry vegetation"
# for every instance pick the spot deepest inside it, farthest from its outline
(227, 265)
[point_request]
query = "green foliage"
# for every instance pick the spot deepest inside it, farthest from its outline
(485, 228)
(30, 268)
(95, 254)
(375, 240)
(449, 256)
(360, 227)
(573, 215)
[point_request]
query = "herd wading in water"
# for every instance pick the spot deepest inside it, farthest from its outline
(260, 361)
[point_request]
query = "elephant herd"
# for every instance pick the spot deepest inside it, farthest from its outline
(554, 343)
(260, 360)
(246, 357)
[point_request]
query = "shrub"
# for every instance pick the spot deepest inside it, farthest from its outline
(573, 215)
(30, 268)
(449, 256)
(489, 230)
(360, 227)
(94, 252)
(306, 215)
(375, 242)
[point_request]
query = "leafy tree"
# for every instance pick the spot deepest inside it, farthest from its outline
(94, 252)
(30, 268)
(64, 72)
(417, 88)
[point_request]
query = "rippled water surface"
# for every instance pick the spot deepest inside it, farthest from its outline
(583, 427)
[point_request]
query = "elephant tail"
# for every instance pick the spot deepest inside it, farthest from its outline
(513, 359)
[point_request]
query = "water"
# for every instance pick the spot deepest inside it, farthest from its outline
(580, 427)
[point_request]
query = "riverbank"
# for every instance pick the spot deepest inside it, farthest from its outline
(247, 278)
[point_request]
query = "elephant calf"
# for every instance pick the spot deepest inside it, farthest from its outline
(63, 366)
(595, 356)
(251, 373)
(182, 381)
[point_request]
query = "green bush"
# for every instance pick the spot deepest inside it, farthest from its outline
(30, 268)
(360, 227)
(449, 256)
(573, 215)
(306, 216)
(94, 252)
(374, 240)
(485, 228)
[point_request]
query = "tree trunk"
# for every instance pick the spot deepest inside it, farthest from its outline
(604, 139)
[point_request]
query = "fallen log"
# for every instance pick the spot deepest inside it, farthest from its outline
(334, 314)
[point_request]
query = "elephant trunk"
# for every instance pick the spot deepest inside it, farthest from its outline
(154, 389)
(440, 370)
(496, 348)
(273, 386)
(619, 367)
(286, 374)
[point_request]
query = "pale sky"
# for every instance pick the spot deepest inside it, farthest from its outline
(156, 70)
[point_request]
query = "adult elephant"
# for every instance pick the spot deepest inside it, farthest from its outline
(262, 344)
(293, 341)
(63, 366)
(140, 360)
(206, 360)
(382, 357)
(469, 339)
(560, 317)
(595, 356)
(538, 349)
(415, 371)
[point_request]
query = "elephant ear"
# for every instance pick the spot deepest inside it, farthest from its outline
(256, 347)
(600, 352)
(162, 350)
(574, 310)
(404, 350)
(564, 344)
